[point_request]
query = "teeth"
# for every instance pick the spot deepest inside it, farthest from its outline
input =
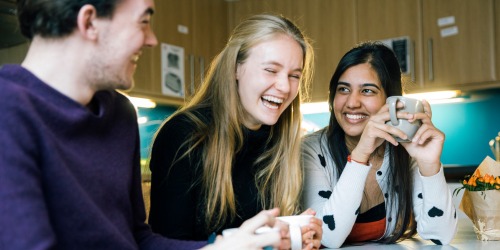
(273, 99)
(135, 58)
(270, 105)
(355, 117)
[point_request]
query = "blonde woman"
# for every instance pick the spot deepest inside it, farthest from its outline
(234, 149)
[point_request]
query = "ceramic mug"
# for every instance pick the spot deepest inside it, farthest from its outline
(411, 106)
(295, 222)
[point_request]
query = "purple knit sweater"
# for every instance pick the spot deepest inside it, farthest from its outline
(69, 175)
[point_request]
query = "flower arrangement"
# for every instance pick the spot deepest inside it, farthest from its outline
(481, 199)
(477, 182)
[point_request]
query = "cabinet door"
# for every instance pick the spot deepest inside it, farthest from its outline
(459, 53)
(383, 19)
(242, 9)
(210, 33)
(169, 14)
(331, 27)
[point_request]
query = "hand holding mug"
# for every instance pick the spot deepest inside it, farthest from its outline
(411, 106)
(254, 233)
(393, 123)
(427, 143)
(312, 233)
(295, 223)
(305, 230)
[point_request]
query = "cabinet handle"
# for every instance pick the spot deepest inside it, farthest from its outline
(191, 73)
(412, 55)
(201, 60)
(431, 66)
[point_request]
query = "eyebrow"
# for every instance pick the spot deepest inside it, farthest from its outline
(362, 85)
(280, 65)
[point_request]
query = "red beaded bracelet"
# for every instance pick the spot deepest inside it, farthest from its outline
(364, 163)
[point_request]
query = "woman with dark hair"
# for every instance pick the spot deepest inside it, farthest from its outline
(362, 183)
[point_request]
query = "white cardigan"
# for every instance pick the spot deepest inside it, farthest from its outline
(336, 199)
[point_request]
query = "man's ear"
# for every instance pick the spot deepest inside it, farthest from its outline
(86, 22)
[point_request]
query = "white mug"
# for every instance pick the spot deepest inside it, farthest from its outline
(411, 106)
(295, 222)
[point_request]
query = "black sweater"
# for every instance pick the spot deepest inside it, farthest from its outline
(177, 205)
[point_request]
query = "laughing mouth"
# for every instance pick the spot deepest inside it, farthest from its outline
(272, 102)
(355, 116)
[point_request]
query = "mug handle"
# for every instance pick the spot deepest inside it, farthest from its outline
(392, 111)
(295, 237)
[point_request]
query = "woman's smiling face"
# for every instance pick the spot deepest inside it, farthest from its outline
(268, 80)
(359, 95)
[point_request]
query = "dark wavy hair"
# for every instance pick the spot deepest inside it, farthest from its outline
(384, 62)
(56, 18)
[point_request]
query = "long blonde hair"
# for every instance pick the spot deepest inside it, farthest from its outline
(280, 181)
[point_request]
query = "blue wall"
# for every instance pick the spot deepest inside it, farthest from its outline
(468, 126)
(147, 130)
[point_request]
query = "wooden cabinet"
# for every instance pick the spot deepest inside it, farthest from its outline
(454, 44)
(384, 19)
(168, 15)
(459, 54)
(329, 24)
(210, 34)
(242, 9)
(200, 27)
(453, 40)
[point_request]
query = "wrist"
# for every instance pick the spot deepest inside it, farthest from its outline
(428, 169)
(350, 159)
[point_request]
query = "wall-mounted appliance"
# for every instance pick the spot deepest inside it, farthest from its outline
(402, 47)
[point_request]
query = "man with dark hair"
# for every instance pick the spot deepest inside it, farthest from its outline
(69, 143)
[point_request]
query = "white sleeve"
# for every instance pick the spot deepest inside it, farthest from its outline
(435, 213)
(336, 203)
